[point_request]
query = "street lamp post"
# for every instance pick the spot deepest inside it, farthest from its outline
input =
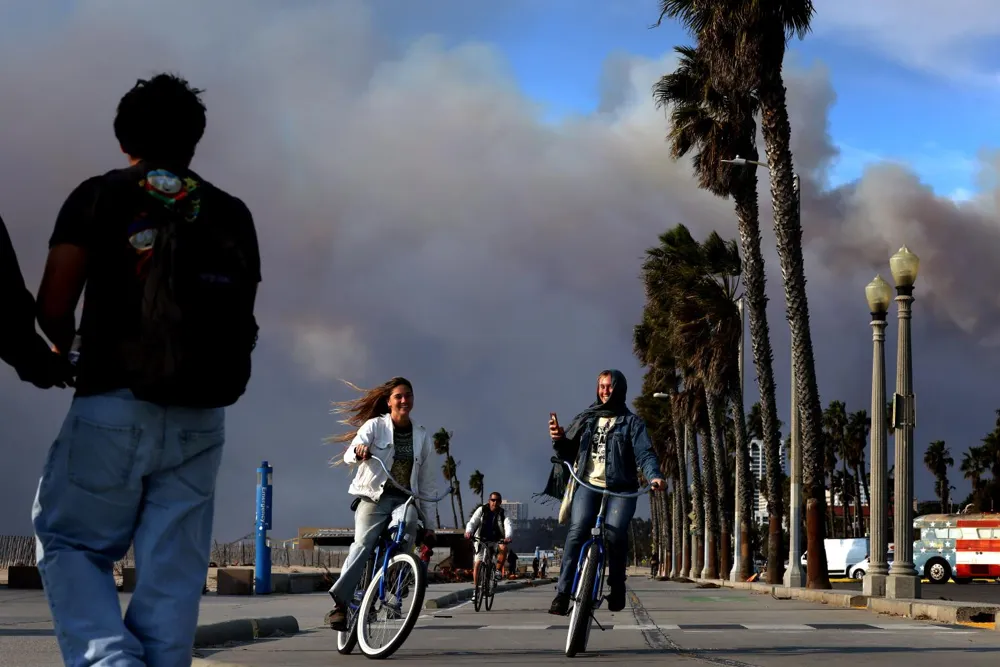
(737, 514)
(878, 294)
(794, 575)
(903, 581)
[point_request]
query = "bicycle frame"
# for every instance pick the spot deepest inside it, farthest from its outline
(597, 533)
(391, 546)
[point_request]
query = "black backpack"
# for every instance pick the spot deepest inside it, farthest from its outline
(197, 328)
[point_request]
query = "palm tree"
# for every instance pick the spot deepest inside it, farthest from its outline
(665, 265)
(744, 45)
(442, 445)
(477, 484)
(858, 427)
(707, 332)
(938, 459)
(714, 126)
(659, 423)
(835, 435)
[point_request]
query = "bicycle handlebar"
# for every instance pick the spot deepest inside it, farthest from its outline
(404, 490)
(640, 492)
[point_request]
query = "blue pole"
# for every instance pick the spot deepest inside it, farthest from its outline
(262, 569)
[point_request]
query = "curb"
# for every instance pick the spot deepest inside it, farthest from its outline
(244, 630)
(464, 594)
(979, 614)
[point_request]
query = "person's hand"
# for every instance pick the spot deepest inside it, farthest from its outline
(556, 432)
(49, 369)
(468, 536)
(362, 452)
(658, 484)
(506, 540)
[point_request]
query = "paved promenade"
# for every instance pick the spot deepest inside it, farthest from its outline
(664, 623)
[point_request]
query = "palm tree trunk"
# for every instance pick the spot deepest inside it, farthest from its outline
(859, 518)
(721, 485)
(861, 502)
(680, 542)
(697, 503)
(829, 483)
(682, 488)
(710, 498)
(458, 492)
(665, 533)
(844, 485)
(654, 525)
(746, 488)
(754, 281)
(454, 512)
(788, 232)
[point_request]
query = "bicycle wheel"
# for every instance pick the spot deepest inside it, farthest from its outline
(491, 588)
(347, 640)
(583, 604)
(384, 622)
(477, 595)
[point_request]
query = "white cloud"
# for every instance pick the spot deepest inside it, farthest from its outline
(948, 39)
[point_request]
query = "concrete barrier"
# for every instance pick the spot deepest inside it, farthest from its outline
(943, 611)
(235, 581)
(25, 577)
(244, 630)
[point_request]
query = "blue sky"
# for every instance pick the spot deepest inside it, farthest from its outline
(924, 100)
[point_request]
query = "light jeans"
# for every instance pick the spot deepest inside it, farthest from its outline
(370, 519)
(123, 471)
(583, 514)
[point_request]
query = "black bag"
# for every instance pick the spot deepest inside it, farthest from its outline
(197, 328)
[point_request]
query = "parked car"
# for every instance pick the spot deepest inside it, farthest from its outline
(858, 571)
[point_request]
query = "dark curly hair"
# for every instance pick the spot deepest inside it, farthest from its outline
(161, 120)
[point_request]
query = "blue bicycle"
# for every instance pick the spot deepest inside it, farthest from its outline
(588, 582)
(375, 616)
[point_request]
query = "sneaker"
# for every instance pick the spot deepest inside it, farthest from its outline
(616, 599)
(337, 618)
(560, 605)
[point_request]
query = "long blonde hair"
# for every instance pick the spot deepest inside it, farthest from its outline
(371, 403)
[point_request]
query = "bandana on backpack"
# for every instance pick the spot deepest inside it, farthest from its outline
(172, 195)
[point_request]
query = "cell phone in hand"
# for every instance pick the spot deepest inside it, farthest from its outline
(553, 419)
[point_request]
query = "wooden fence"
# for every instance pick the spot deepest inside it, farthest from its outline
(20, 550)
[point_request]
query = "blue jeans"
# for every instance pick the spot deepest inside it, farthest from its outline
(124, 471)
(370, 519)
(583, 514)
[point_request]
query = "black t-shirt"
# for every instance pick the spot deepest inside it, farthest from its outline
(97, 216)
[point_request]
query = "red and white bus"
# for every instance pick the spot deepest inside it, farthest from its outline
(962, 547)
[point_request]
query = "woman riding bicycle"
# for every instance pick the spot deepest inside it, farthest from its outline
(608, 444)
(383, 430)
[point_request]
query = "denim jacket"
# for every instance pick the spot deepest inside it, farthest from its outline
(628, 450)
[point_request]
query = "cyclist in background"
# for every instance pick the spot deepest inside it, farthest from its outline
(489, 523)
(608, 443)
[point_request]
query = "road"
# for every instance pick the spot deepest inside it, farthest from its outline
(976, 591)
(682, 623)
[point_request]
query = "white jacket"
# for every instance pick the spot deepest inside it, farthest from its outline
(476, 522)
(369, 480)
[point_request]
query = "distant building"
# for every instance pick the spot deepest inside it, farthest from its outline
(759, 472)
(516, 511)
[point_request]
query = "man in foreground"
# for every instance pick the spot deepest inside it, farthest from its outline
(171, 267)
